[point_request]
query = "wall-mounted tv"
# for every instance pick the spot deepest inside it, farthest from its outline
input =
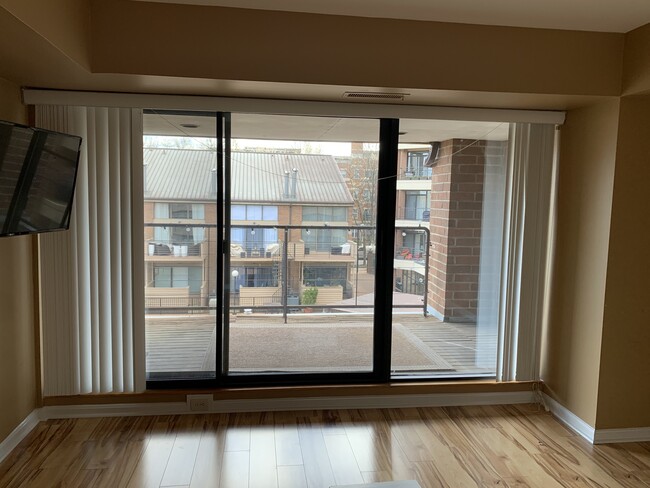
(38, 171)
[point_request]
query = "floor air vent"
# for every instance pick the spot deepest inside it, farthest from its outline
(376, 96)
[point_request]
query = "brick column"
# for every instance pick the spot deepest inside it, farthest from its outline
(455, 224)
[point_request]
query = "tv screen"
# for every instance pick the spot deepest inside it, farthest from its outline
(38, 170)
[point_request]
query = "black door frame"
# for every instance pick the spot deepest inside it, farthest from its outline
(383, 304)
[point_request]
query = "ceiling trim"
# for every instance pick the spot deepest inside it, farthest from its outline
(287, 107)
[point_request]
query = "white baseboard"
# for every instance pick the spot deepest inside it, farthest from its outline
(596, 436)
(615, 436)
(570, 419)
(279, 404)
(19, 433)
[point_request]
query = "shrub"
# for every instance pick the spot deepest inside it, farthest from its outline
(309, 296)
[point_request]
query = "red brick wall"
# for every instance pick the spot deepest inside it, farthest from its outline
(456, 211)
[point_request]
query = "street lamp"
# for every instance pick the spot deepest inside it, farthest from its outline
(235, 275)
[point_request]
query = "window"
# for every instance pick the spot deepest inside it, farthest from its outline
(190, 277)
(324, 214)
(253, 239)
(253, 277)
(179, 211)
(498, 242)
(257, 213)
(325, 276)
(323, 240)
(416, 204)
(415, 164)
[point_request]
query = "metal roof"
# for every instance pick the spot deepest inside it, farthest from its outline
(186, 175)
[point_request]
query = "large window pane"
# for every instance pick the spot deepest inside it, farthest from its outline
(450, 208)
(180, 246)
(301, 284)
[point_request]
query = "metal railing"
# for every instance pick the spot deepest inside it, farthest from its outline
(420, 214)
(421, 173)
(291, 254)
(166, 304)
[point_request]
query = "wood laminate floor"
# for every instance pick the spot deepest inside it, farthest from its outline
(499, 446)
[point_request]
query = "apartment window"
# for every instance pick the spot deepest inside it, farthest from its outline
(324, 214)
(253, 277)
(253, 239)
(325, 276)
(256, 213)
(416, 204)
(323, 240)
(179, 211)
(178, 277)
(415, 164)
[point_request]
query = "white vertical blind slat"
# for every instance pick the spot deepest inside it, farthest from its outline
(137, 239)
(86, 276)
(92, 232)
(82, 230)
(103, 252)
(125, 251)
(114, 142)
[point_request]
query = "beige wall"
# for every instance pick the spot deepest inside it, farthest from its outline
(636, 66)
(256, 45)
(17, 347)
(573, 340)
(65, 23)
(624, 389)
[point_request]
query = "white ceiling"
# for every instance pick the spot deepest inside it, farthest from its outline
(590, 15)
(324, 129)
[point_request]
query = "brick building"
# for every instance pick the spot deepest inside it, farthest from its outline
(270, 192)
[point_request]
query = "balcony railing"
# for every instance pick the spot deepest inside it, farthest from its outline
(267, 268)
(416, 254)
(167, 304)
(417, 174)
(420, 214)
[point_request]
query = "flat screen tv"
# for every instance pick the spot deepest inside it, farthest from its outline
(38, 171)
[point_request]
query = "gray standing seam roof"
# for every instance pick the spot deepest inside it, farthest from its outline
(186, 175)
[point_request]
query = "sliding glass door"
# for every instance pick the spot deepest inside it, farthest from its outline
(300, 228)
(261, 247)
(296, 249)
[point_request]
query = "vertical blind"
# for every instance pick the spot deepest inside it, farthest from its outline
(529, 194)
(90, 342)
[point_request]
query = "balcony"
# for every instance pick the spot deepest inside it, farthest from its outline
(419, 214)
(173, 243)
(417, 173)
(346, 252)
